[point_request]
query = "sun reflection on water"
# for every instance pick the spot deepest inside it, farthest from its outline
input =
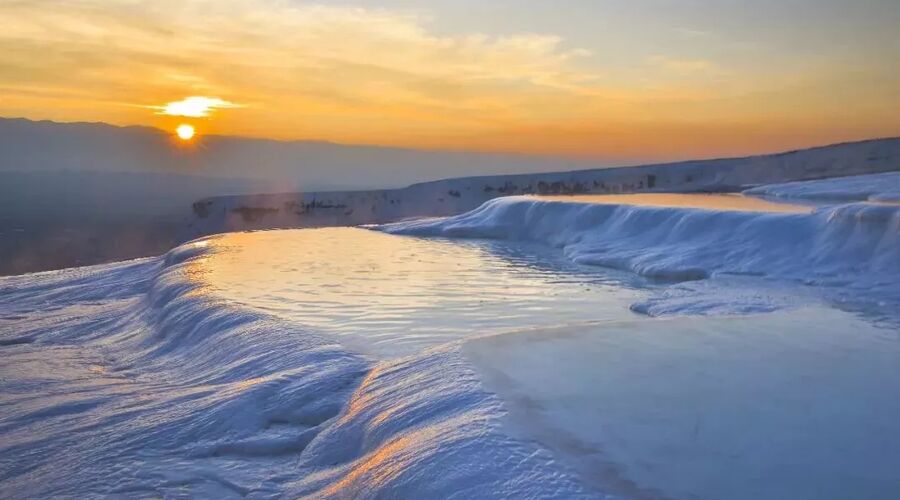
(399, 293)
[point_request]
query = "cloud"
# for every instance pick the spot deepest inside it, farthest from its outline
(301, 69)
(298, 41)
(373, 75)
(194, 106)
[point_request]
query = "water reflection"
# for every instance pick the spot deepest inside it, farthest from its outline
(728, 201)
(395, 294)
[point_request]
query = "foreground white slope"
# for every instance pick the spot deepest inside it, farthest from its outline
(132, 380)
(142, 379)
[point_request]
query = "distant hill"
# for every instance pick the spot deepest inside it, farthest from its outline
(460, 194)
(32, 146)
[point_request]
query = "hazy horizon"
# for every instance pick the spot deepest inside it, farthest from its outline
(585, 162)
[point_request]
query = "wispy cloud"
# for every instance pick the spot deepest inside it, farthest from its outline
(321, 61)
(194, 107)
(291, 69)
(692, 33)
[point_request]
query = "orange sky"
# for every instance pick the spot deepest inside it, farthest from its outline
(656, 85)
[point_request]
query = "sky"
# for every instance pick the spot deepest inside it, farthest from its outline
(621, 81)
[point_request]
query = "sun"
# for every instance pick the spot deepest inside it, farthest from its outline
(185, 132)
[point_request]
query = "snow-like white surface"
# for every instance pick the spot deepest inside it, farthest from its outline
(853, 249)
(148, 378)
(876, 187)
(133, 380)
(787, 406)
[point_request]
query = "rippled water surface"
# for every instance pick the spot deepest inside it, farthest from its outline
(396, 294)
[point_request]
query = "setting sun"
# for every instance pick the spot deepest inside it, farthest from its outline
(185, 132)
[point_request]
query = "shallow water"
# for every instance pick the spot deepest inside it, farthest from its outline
(789, 405)
(393, 295)
(678, 408)
(726, 202)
